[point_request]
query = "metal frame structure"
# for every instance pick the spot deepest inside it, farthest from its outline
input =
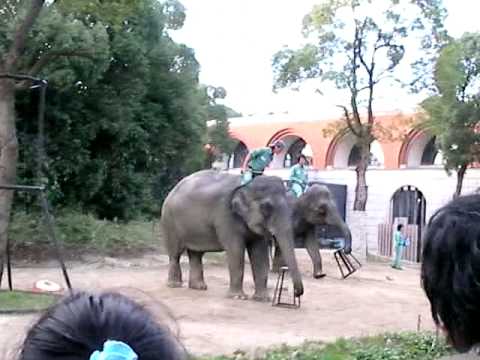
(48, 219)
(341, 257)
(277, 295)
(50, 233)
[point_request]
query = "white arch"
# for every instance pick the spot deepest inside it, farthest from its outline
(416, 149)
(342, 151)
(237, 156)
(289, 140)
(377, 158)
(307, 151)
(345, 147)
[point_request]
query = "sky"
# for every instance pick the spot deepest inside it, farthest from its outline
(234, 41)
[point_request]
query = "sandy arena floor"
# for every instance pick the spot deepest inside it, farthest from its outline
(375, 299)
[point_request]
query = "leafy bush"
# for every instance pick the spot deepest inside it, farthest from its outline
(399, 346)
(403, 346)
(82, 232)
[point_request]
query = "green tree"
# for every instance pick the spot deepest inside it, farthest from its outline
(219, 141)
(18, 22)
(358, 44)
(120, 134)
(454, 112)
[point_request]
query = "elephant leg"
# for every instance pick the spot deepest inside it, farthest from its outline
(314, 251)
(196, 280)
(277, 262)
(258, 255)
(174, 271)
(236, 267)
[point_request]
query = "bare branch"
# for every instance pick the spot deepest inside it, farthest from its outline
(371, 82)
(45, 59)
(464, 86)
(18, 46)
(359, 51)
(366, 87)
(18, 77)
(348, 120)
(353, 86)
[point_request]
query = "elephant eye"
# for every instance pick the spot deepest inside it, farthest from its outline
(266, 207)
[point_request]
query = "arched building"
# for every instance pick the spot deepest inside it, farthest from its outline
(406, 179)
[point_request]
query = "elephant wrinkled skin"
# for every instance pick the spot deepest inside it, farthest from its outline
(315, 207)
(209, 211)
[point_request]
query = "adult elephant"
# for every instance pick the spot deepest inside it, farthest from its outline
(209, 211)
(315, 207)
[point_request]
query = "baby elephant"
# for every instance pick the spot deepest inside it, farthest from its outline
(315, 207)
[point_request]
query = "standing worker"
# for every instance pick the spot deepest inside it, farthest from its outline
(400, 241)
(257, 160)
(299, 176)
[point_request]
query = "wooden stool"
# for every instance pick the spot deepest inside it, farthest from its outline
(277, 295)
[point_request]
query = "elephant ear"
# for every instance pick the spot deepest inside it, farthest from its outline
(239, 203)
(266, 207)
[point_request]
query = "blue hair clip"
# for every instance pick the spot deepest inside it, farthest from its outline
(114, 350)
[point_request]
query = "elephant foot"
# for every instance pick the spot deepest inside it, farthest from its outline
(319, 275)
(237, 295)
(261, 297)
(174, 284)
(198, 285)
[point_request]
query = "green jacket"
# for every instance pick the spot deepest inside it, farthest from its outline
(299, 174)
(260, 159)
(399, 239)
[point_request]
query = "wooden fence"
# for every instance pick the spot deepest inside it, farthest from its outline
(385, 241)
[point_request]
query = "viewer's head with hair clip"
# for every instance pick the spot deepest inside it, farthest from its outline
(451, 270)
(107, 326)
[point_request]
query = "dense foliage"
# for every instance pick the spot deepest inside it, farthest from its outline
(78, 234)
(454, 112)
(219, 142)
(126, 116)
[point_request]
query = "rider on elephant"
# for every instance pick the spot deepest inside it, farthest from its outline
(299, 177)
(259, 159)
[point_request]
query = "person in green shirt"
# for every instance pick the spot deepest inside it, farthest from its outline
(299, 176)
(258, 159)
(400, 241)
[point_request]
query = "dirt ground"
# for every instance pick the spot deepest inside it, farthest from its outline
(376, 299)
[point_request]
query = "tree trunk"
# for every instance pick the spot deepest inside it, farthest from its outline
(8, 156)
(460, 175)
(361, 191)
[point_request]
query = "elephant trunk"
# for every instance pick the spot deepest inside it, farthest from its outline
(284, 236)
(348, 239)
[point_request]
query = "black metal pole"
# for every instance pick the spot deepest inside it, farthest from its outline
(9, 266)
(51, 235)
(42, 84)
(41, 132)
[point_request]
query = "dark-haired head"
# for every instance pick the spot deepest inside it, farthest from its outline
(81, 324)
(451, 270)
(399, 227)
(303, 158)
